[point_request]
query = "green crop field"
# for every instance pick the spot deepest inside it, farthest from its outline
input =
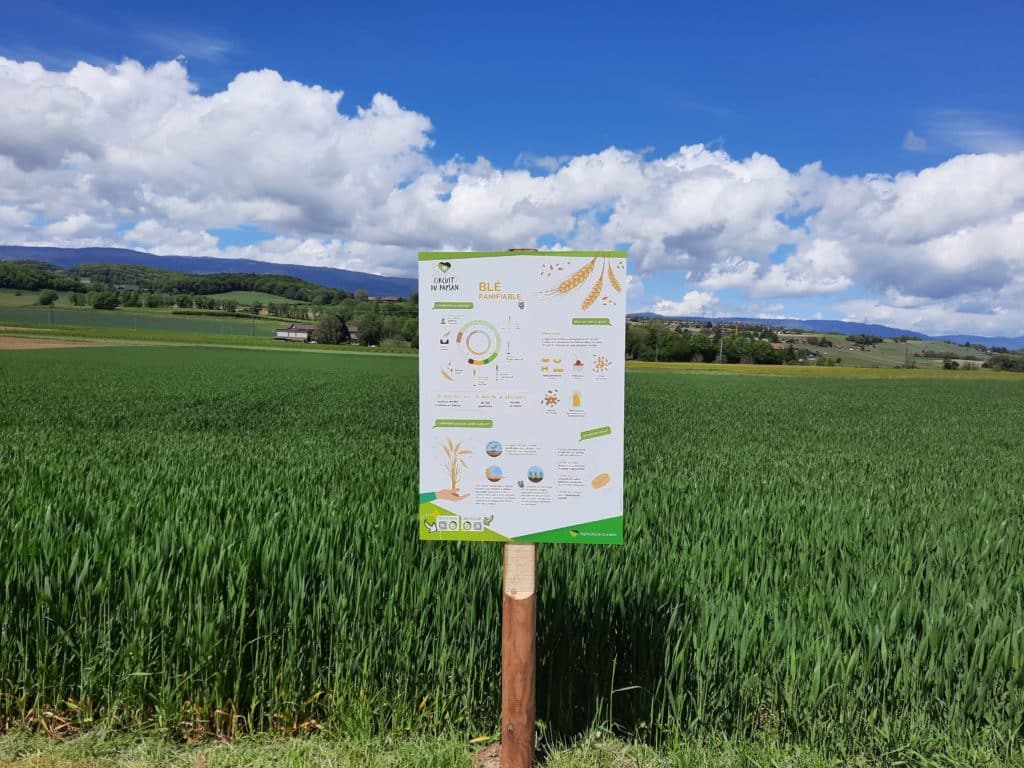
(157, 320)
(190, 535)
(254, 297)
(12, 298)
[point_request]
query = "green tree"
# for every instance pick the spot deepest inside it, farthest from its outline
(332, 329)
(370, 329)
(48, 298)
(1006, 362)
(106, 300)
(865, 339)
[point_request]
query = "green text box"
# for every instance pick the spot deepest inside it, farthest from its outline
(465, 423)
(589, 434)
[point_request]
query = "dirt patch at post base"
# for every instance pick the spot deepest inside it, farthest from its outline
(29, 342)
(488, 757)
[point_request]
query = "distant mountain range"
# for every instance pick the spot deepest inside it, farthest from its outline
(342, 279)
(850, 329)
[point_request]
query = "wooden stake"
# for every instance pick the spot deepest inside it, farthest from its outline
(518, 656)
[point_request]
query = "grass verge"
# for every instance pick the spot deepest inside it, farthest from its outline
(102, 749)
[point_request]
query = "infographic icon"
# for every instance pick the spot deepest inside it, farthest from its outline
(480, 341)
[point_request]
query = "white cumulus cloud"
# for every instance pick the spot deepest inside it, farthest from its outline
(136, 156)
(699, 303)
(818, 267)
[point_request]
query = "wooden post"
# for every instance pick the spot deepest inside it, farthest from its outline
(518, 656)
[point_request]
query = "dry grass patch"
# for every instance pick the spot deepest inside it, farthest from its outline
(35, 342)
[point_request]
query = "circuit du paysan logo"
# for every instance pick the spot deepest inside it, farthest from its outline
(444, 283)
(456, 524)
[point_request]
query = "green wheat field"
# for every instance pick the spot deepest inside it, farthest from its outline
(226, 540)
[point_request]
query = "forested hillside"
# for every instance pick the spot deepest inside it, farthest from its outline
(38, 275)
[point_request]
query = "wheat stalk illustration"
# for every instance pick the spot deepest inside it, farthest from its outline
(581, 276)
(595, 291)
(613, 279)
(454, 463)
(575, 280)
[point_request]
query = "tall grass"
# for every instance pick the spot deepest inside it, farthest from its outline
(229, 537)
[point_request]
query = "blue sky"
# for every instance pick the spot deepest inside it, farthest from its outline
(894, 111)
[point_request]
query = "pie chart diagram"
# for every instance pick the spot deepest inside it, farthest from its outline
(480, 341)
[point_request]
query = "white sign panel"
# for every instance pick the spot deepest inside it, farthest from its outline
(521, 396)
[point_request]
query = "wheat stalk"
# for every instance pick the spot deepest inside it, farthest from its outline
(596, 290)
(575, 280)
(613, 279)
(455, 464)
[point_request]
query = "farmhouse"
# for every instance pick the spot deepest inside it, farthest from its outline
(295, 332)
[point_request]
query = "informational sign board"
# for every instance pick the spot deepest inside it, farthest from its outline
(521, 396)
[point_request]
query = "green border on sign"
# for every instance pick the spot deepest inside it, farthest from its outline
(608, 531)
(445, 255)
(429, 512)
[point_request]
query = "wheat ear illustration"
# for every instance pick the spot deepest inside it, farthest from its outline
(613, 279)
(596, 290)
(454, 463)
(575, 280)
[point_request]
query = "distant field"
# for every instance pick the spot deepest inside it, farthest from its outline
(253, 297)
(182, 337)
(161, 325)
(819, 371)
(889, 354)
(141, 320)
(830, 557)
(11, 298)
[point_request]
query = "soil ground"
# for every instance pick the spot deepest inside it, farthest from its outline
(20, 342)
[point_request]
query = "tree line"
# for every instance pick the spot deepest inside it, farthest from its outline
(865, 339)
(132, 279)
(372, 327)
(654, 340)
(36, 276)
(169, 282)
(1005, 361)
